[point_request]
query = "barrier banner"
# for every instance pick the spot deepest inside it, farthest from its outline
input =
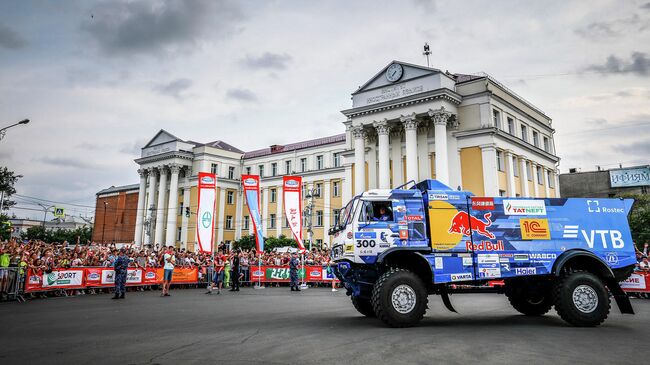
(72, 278)
(252, 191)
(637, 282)
(205, 212)
(180, 276)
(292, 198)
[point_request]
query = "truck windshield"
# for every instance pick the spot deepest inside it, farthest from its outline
(344, 218)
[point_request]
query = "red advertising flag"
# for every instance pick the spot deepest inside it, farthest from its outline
(206, 210)
(292, 198)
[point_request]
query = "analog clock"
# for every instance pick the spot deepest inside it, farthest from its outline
(394, 72)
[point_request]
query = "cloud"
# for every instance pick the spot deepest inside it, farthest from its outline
(9, 39)
(174, 88)
(638, 64)
(241, 95)
(428, 5)
(646, 6)
(597, 30)
(640, 148)
(271, 61)
(125, 28)
(133, 149)
(65, 162)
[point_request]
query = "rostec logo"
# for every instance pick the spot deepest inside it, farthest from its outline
(526, 271)
(250, 182)
(483, 203)
(464, 224)
(593, 206)
(291, 183)
(590, 236)
(207, 180)
(524, 207)
(534, 229)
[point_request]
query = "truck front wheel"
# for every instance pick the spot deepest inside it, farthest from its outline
(399, 298)
(581, 299)
(363, 306)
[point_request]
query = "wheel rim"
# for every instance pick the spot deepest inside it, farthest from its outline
(403, 299)
(585, 298)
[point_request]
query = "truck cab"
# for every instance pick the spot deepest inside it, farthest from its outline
(439, 237)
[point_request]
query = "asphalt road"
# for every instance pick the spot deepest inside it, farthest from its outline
(314, 326)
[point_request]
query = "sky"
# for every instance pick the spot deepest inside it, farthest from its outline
(98, 79)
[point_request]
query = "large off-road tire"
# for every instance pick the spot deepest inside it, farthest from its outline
(399, 298)
(530, 298)
(581, 299)
(363, 306)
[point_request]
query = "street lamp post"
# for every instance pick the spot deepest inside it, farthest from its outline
(104, 221)
(3, 131)
(45, 209)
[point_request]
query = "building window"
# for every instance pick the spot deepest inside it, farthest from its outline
(502, 193)
(231, 172)
(274, 169)
(496, 116)
(245, 222)
(529, 173)
(261, 170)
(179, 233)
(274, 193)
(524, 133)
(213, 168)
(337, 160)
(287, 167)
(535, 138)
(180, 210)
(336, 214)
(228, 222)
(540, 180)
(500, 162)
(511, 126)
(319, 218)
(286, 222)
(272, 220)
(303, 164)
(515, 166)
(336, 187)
(319, 162)
(319, 189)
(248, 170)
(549, 178)
(319, 243)
(547, 146)
(230, 197)
(304, 191)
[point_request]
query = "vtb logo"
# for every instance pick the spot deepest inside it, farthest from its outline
(590, 236)
(464, 224)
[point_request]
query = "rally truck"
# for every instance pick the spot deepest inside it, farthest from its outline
(393, 248)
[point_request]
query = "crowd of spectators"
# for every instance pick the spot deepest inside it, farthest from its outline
(642, 258)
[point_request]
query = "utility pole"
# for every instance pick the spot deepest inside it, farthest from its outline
(427, 52)
(45, 209)
(2, 200)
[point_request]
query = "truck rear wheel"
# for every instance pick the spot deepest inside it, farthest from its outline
(399, 298)
(581, 299)
(363, 306)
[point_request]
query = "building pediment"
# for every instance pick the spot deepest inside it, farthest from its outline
(162, 137)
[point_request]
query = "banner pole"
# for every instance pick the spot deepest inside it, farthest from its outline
(259, 269)
(303, 286)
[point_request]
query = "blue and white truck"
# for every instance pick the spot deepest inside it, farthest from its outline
(393, 248)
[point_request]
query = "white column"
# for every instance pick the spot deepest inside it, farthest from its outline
(265, 211)
(153, 185)
(547, 176)
(140, 212)
(424, 163)
(440, 118)
(185, 221)
(220, 216)
(347, 185)
(359, 159)
(396, 156)
(160, 208)
(371, 159)
(533, 170)
(279, 210)
(523, 176)
(455, 176)
(490, 176)
(512, 191)
(410, 131)
(172, 210)
(384, 154)
(327, 210)
(239, 215)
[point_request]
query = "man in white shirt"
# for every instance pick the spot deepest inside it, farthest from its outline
(169, 262)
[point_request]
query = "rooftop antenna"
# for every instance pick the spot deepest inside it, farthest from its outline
(427, 52)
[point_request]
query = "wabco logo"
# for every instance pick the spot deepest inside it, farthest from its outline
(593, 206)
(250, 182)
(542, 256)
(524, 207)
(464, 224)
(207, 180)
(591, 236)
(291, 183)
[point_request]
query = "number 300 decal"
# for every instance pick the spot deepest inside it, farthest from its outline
(365, 243)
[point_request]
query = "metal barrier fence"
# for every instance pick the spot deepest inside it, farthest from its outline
(12, 280)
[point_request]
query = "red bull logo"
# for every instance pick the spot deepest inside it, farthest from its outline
(464, 224)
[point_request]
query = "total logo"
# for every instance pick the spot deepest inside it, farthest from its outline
(250, 182)
(593, 206)
(593, 235)
(464, 224)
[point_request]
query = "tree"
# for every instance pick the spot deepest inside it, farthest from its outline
(640, 219)
(282, 241)
(83, 234)
(244, 243)
(7, 181)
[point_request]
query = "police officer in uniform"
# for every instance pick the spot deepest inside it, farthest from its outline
(293, 271)
(235, 271)
(120, 266)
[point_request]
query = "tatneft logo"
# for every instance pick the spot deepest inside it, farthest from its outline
(207, 180)
(595, 235)
(524, 207)
(291, 183)
(250, 182)
(593, 206)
